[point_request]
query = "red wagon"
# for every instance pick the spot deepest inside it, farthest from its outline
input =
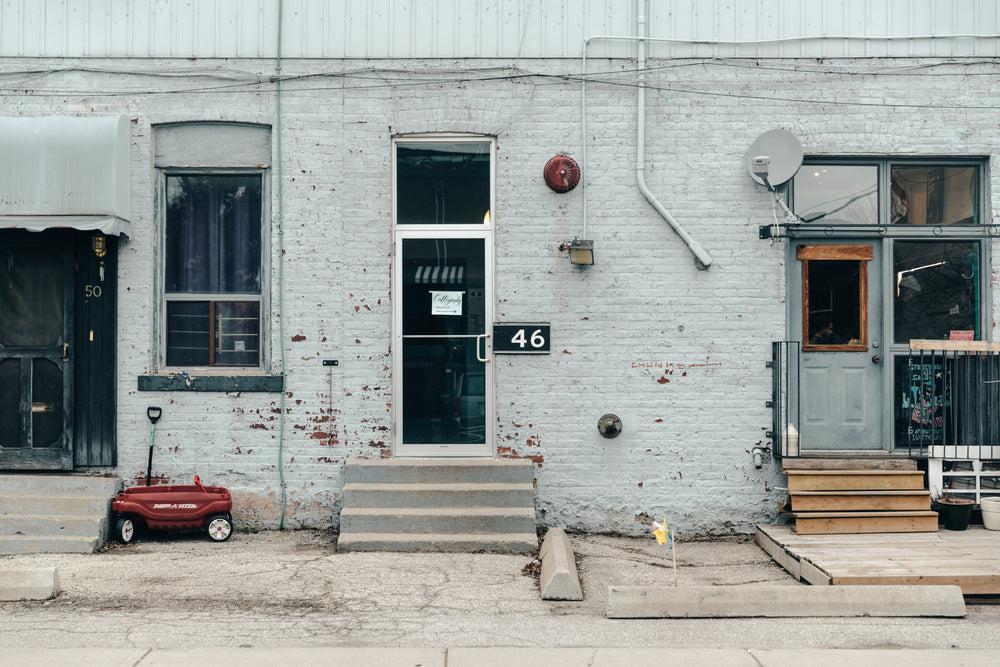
(174, 507)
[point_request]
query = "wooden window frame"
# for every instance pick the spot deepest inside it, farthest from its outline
(860, 253)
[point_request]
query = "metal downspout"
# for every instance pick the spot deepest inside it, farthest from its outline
(281, 277)
(701, 258)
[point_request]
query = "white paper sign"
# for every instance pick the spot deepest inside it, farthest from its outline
(446, 303)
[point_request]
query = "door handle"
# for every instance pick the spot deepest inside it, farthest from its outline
(876, 359)
(479, 338)
(65, 352)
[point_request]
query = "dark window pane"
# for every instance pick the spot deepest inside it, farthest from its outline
(189, 333)
(213, 235)
(935, 195)
(46, 403)
(442, 295)
(10, 403)
(834, 308)
(442, 184)
(836, 194)
(444, 392)
(936, 289)
(237, 339)
(32, 295)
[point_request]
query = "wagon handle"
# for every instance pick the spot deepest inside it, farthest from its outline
(197, 482)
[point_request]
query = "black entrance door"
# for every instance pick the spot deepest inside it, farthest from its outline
(36, 383)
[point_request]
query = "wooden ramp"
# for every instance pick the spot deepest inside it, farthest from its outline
(968, 558)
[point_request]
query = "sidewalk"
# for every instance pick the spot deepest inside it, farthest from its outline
(500, 657)
(263, 598)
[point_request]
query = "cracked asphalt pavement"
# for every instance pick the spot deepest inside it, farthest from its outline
(292, 588)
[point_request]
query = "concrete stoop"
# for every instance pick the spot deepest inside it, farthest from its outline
(438, 505)
(55, 513)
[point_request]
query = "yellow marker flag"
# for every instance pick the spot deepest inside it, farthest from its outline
(661, 532)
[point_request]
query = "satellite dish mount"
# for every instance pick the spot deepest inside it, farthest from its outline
(772, 160)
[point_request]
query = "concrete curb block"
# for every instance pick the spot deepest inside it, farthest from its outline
(784, 601)
(40, 584)
(559, 579)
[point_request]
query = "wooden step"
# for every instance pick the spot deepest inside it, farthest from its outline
(852, 501)
(855, 480)
(849, 463)
(831, 523)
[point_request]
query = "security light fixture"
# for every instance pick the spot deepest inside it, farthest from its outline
(581, 252)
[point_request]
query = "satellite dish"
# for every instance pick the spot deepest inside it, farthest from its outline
(776, 154)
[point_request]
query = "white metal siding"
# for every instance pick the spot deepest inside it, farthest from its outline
(494, 28)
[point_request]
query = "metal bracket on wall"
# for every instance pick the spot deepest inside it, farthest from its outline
(331, 362)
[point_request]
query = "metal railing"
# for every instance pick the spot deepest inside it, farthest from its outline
(948, 400)
(784, 403)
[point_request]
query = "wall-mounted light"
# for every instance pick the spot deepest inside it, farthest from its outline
(99, 245)
(581, 252)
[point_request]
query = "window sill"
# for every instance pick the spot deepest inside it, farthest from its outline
(220, 383)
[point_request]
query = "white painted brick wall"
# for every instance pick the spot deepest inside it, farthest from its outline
(679, 354)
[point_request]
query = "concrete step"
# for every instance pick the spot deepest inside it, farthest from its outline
(37, 484)
(438, 471)
(448, 520)
(55, 513)
(834, 523)
(487, 494)
(855, 480)
(25, 544)
(847, 501)
(34, 525)
(513, 543)
(64, 504)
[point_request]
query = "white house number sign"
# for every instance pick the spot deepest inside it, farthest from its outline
(521, 338)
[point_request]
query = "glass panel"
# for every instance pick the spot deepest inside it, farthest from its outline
(46, 403)
(213, 235)
(10, 408)
(836, 194)
(834, 309)
(237, 338)
(923, 401)
(443, 287)
(935, 195)
(189, 333)
(32, 297)
(442, 184)
(936, 290)
(444, 392)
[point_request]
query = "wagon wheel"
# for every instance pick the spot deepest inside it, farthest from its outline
(125, 530)
(219, 528)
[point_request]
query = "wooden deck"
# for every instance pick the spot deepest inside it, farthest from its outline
(969, 558)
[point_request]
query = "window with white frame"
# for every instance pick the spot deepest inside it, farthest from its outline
(213, 220)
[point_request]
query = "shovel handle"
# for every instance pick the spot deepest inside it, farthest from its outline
(154, 413)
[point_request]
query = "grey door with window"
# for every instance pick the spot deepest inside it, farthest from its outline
(836, 312)
(35, 368)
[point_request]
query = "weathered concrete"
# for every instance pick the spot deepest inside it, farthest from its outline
(36, 584)
(502, 656)
(559, 579)
(783, 601)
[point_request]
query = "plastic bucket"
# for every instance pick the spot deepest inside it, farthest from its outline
(991, 512)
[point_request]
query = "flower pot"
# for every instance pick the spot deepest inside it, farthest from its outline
(955, 513)
(991, 512)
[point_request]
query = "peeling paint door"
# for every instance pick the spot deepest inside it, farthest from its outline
(444, 294)
(36, 399)
(835, 292)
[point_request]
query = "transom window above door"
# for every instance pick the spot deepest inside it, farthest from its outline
(917, 194)
(443, 182)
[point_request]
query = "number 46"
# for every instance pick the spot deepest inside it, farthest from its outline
(520, 338)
